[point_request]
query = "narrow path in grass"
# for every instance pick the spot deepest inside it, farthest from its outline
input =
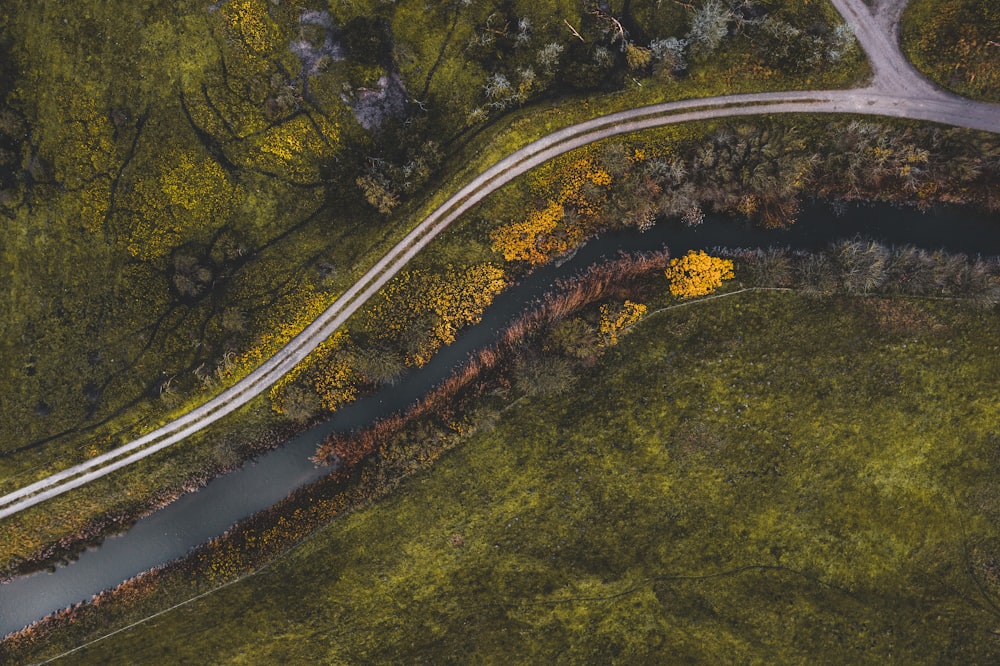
(897, 90)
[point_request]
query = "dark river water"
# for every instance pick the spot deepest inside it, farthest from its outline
(195, 518)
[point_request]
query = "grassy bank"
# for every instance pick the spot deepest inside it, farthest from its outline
(956, 43)
(761, 477)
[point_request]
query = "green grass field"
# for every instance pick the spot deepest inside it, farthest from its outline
(761, 478)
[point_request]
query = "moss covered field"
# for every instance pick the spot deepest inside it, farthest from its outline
(759, 478)
(956, 43)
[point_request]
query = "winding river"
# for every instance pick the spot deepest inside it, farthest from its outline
(195, 518)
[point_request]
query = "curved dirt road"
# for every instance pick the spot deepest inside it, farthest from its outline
(897, 91)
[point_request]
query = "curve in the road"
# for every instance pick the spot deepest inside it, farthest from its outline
(897, 91)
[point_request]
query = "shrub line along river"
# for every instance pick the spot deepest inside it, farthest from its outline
(195, 518)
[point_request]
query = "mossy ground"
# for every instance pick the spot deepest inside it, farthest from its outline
(956, 43)
(761, 478)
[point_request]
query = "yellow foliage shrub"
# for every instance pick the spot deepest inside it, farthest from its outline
(296, 147)
(329, 370)
(519, 241)
(697, 274)
(458, 298)
(187, 181)
(615, 320)
(335, 382)
(580, 186)
(190, 195)
(574, 191)
(451, 300)
(285, 320)
(248, 21)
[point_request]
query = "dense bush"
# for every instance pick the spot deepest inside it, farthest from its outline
(864, 267)
(697, 274)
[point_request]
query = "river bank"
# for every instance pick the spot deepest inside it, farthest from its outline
(516, 479)
(943, 229)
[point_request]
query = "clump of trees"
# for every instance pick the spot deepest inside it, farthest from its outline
(761, 171)
(864, 267)
(492, 57)
(153, 170)
(543, 352)
(799, 38)
(524, 56)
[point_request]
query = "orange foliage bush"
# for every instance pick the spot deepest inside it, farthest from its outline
(448, 301)
(615, 320)
(580, 187)
(697, 274)
(327, 369)
(519, 241)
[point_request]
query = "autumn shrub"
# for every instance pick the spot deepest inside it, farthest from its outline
(697, 274)
(615, 320)
(910, 271)
(425, 309)
(379, 365)
(575, 191)
(771, 267)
